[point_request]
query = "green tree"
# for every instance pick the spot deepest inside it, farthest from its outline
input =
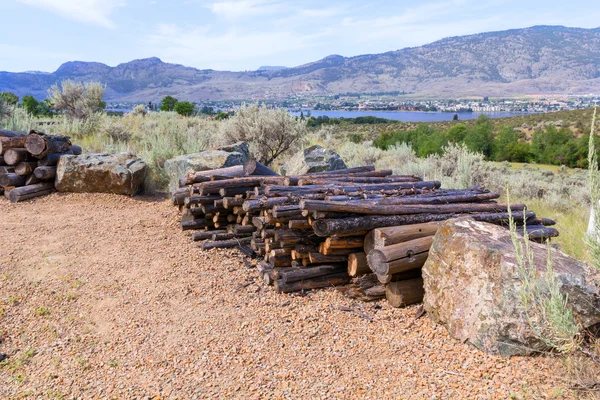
(184, 108)
(455, 118)
(481, 136)
(9, 98)
(168, 103)
(31, 105)
(457, 133)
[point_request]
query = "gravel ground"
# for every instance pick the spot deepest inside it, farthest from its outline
(103, 296)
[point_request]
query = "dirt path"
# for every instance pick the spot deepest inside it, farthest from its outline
(104, 297)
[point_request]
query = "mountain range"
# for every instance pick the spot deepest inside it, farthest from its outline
(529, 61)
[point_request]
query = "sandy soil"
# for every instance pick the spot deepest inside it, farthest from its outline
(104, 297)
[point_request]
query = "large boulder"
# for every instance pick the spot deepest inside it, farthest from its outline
(473, 286)
(226, 156)
(314, 159)
(121, 173)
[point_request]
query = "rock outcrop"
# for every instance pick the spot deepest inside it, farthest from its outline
(121, 173)
(314, 159)
(473, 286)
(226, 156)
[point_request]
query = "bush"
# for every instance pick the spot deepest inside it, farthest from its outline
(269, 132)
(184, 108)
(168, 103)
(9, 98)
(77, 100)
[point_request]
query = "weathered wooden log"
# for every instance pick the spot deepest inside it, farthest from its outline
(300, 224)
(25, 168)
(318, 258)
(360, 207)
(12, 143)
(7, 169)
(274, 189)
(230, 202)
(32, 180)
(178, 196)
(377, 257)
(210, 208)
(280, 261)
(404, 293)
(12, 179)
(31, 191)
(199, 200)
(241, 229)
(383, 237)
(7, 133)
(441, 199)
(195, 224)
(229, 236)
(337, 279)
(77, 150)
(253, 167)
(261, 223)
(352, 225)
(357, 264)
(344, 242)
(229, 172)
(341, 180)
(539, 232)
(415, 261)
(230, 192)
(40, 144)
(15, 156)
(206, 235)
(225, 244)
(266, 203)
(52, 159)
(309, 273)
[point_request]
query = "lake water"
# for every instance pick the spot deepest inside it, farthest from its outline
(410, 116)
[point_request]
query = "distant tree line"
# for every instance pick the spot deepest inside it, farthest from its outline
(325, 120)
(552, 145)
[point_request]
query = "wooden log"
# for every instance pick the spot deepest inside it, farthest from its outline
(318, 258)
(178, 196)
(241, 229)
(32, 180)
(339, 252)
(357, 264)
(397, 234)
(350, 180)
(261, 223)
(206, 235)
(230, 202)
(52, 159)
(274, 189)
(404, 293)
(7, 133)
(361, 207)
(12, 180)
(199, 200)
(226, 244)
(15, 156)
(11, 143)
(7, 169)
(2, 163)
(40, 144)
(369, 242)
(377, 257)
(31, 191)
(340, 278)
(280, 261)
(25, 168)
(300, 224)
(309, 273)
(229, 172)
(448, 198)
(345, 242)
(415, 261)
(281, 252)
(352, 225)
(77, 150)
(195, 224)
(253, 167)
(539, 233)
(229, 192)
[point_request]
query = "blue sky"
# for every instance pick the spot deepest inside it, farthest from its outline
(245, 34)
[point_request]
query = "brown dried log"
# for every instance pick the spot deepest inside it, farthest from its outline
(31, 191)
(415, 261)
(357, 264)
(279, 261)
(12, 180)
(178, 196)
(25, 168)
(253, 167)
(207, 235)
(404, 293)
(387, 254)
(15, 156)
(274, 189)
(300, 224)
(52, 159)
(40, 144)
(266, 203)
(195, 224)
(14, 142)
(397, 234)
(345, 242)
(32, 180)
(7, 169)
(203, 176)
(226, 244)
(353, 225)
(309, 273)
(318, 258)
(341, 278)
(230, 202)
(7, 133)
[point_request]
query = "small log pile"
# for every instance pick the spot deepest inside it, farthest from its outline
(28, 163)
(364, 229)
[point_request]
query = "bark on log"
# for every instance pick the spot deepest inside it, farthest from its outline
(226, 244)
(12, 179)
(350, 226)
(253, 167)
(266, 203)
(274, 189)
(318, 258)
(195, 224)
(197, 236)
(299, 224)
(280, 261)
(52, 159)
(7, 133)
(352, 180)
(230, 202)
(403, 264)
(199, 200)
(32, 180)
(404, 293)
(14, 142)
(178, 196)
(7, 169)
(309, 273)
(40, 145)
(77, 150)
(345, 242)
(338, 279)
(15, 156)
(387, 254)
(357, 264)
(31, 191)
(383, 237)
(25, 168)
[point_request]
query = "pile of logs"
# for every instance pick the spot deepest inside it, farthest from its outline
(28, 163)
(324, 229)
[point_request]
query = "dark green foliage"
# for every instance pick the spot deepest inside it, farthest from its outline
(325, 120)
(479, 139)
(207, 110)
(9, 98)
(222, 115)
(168, 103)
(37, 108)
(184, 108)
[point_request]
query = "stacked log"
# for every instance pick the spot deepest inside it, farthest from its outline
(324, 229)
(28, 163)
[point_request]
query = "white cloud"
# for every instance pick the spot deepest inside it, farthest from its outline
(95, 12)
(236, 9)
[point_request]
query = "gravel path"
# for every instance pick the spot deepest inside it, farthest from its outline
(103, 296)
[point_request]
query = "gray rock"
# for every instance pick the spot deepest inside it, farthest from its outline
(226, 156)
(121, 173)
(472, 287)
(314, 159)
